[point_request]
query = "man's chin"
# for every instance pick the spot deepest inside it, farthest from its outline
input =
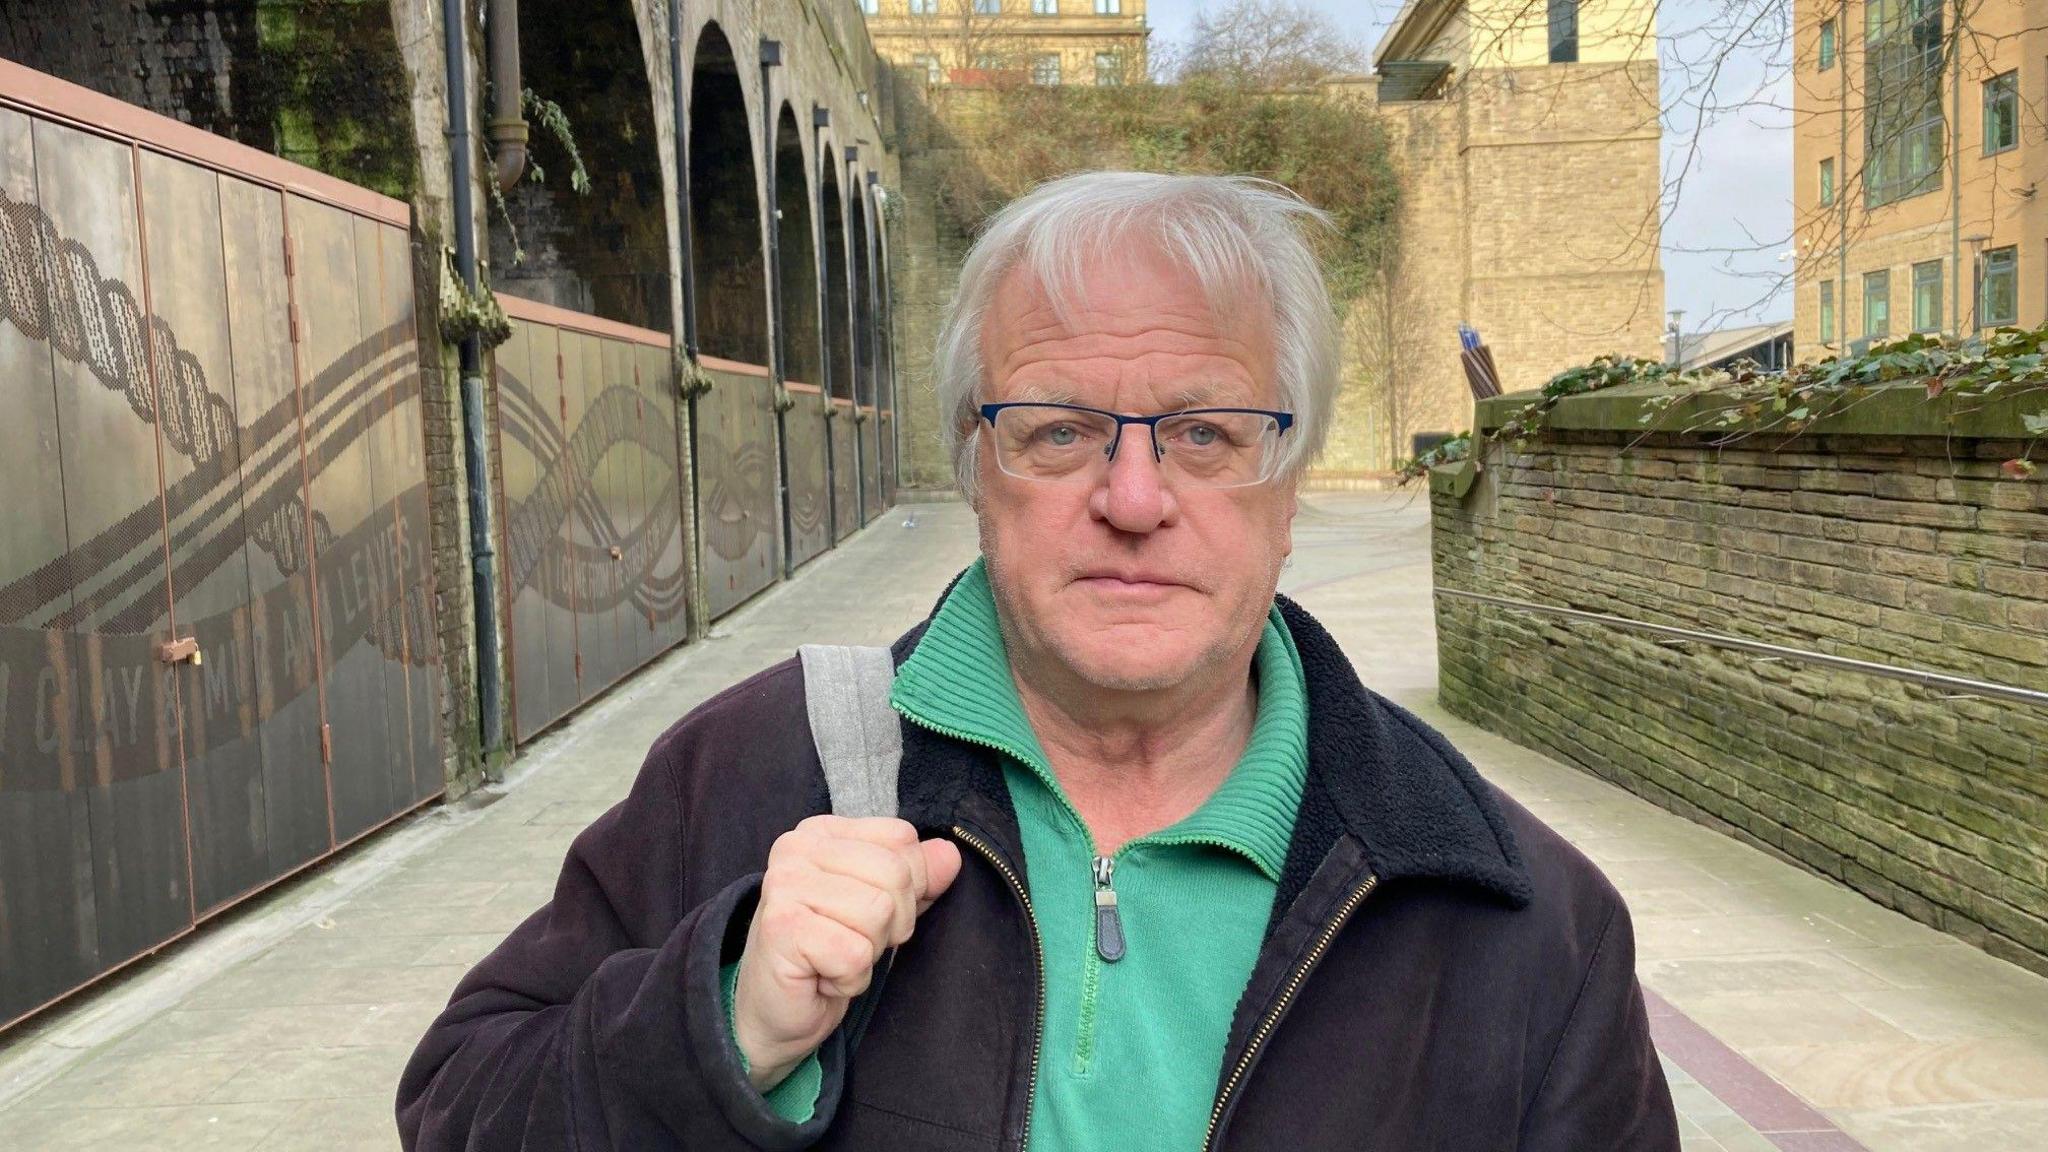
(1127, 665)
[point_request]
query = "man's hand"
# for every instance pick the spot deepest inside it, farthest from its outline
(837, 892)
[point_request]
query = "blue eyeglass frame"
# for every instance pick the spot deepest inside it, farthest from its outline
(989, 412)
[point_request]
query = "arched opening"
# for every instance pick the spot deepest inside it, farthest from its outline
(593, 239)
(845, 465)
(801, 340)
(832, 221)
(864, 347)
(730, 273)
(806, 488)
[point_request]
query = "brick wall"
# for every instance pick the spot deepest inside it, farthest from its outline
(1907, 548)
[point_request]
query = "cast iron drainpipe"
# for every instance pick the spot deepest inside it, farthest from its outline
(483, 556)
(508, 123)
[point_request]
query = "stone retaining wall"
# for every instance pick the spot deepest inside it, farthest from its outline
(1886, 538)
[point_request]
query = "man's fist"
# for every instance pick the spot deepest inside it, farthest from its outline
(837, 892)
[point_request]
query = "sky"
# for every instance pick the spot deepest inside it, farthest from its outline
(1727, 169)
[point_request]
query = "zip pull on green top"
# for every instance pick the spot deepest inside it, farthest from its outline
(1109, 927)
(1144, 953)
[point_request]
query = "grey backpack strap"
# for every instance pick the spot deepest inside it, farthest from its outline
(858, 736)
(860, 743)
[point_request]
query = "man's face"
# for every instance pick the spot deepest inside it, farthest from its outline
(1131, 582)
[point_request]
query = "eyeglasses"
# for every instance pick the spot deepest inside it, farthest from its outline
(1195, 447)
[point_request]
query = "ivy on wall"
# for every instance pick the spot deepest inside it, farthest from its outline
(1743, 402)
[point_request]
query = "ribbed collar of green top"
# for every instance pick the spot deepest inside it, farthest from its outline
(958, 683)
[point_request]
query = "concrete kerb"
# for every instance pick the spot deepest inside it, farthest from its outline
(39, 1052)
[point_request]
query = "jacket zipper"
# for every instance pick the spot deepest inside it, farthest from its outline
(1017, 886)
(1038, 963)
(1294, 981)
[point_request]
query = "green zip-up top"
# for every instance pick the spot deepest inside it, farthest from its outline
(1132, 1048)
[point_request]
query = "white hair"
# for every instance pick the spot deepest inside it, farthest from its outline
(1229, 232)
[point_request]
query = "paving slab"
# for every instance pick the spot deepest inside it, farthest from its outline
(1793, 1014)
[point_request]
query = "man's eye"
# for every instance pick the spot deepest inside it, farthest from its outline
(1201, 435)
(1060, 435)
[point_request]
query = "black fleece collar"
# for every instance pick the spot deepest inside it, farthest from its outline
(1416, 806)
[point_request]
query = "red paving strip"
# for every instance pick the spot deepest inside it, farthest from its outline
(1764, 1104)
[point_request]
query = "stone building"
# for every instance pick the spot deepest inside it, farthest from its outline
(992, 42)
(1922, 215)
(1527, 136)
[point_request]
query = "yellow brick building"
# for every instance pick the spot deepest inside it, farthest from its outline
(1917, 181)
(1527, 139)
(992, 42)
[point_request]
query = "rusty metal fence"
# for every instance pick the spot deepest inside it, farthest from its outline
(217, 653)
(596, 572)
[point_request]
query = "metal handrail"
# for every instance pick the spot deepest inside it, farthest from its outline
(1961, 684)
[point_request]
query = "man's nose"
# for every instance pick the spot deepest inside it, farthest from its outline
(1133, 495)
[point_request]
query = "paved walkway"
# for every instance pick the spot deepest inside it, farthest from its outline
(1792, 1014)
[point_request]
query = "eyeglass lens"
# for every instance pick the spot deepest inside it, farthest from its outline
(1204, 448)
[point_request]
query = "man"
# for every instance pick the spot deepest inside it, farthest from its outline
(1166, 876)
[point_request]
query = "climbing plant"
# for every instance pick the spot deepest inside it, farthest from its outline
(1744, 402)
(552, 120)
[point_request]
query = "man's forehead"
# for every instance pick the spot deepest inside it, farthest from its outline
(1106, 302)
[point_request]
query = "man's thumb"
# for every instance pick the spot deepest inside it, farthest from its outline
(941, 868)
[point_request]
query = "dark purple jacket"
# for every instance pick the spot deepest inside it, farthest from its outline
(1440, 970)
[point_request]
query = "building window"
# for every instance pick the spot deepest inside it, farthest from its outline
(934, 75)
(988, 7)
(1877, 305)
(1045, 69)
(871, 7)
(1827, 45)
(987, 61)
(1045, 7)
(1827, 311)
(1109, 68)
(1903, 126)
(2002, 113)
(1109, 7)
(1564, 31)
(1927, 296)
(1827, 181)
(924, 7)
(1998, 294)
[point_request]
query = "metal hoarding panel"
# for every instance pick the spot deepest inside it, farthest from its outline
(119, 699)
(668, 578)
(618, 489)
(870, 468)
(641, 545)
(526, 442)
(347, 375)
(413, 560)
(559, 491)
(382, 336)
(48, 942)
(888, 434)
(845, 475)
(808, 496)
(577, 545)
(736, 503)
(267, 401)
(202, 476)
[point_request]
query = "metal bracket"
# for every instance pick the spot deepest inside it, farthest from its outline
(184, 650)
